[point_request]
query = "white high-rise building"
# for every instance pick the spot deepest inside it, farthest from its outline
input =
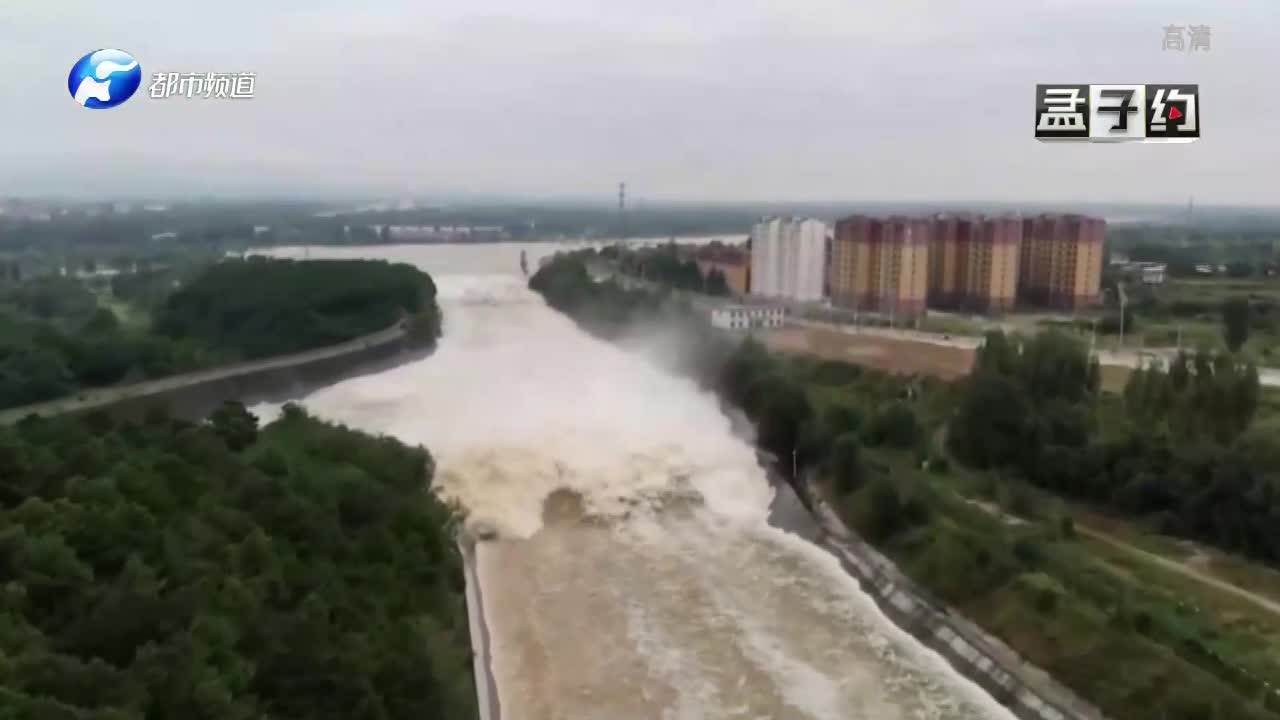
(789, 258)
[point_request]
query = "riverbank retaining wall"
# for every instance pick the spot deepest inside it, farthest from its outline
(1028, 692)
(194, 395)
(486, 686)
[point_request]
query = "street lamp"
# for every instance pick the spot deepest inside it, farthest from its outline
(1123, 301)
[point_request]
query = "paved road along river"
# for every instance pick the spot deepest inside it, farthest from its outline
(636, 576)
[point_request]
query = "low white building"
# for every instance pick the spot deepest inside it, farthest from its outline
(744, 317)
(1154, 273)
(1149, 273)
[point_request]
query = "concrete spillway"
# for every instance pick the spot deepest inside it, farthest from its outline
(635, 574)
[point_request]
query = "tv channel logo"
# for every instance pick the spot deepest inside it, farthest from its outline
(1118, 113)
(104, 79)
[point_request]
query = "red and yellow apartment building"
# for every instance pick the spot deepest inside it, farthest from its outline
(880, 265)
(1060, 263)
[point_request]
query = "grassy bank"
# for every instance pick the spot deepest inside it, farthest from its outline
(1192, 310)
(1138, 641)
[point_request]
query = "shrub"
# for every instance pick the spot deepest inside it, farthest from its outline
(1142, 622)
(1028, 551)
(846, 464)
(895, 426)
(1046, 601)
(1066, 527)
(1015, 499)
(881, 513)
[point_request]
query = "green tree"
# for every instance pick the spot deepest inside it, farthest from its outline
(717, 284)
(990, 426)
(882, 513)
(997, 355)
(1235, 322)
(103, 322)
(174, 579)
(237, 427)
(846, 463)
(784, 409)
(844, 418)
(895, 426)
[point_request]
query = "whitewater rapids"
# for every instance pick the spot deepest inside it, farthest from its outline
(635, 575)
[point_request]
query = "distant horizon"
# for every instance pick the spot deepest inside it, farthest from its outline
(425, 201)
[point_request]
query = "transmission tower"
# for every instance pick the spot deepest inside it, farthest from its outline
(622, 209)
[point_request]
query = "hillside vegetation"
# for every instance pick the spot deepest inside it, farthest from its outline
(259, 307)
(171, 571)
(58, 336)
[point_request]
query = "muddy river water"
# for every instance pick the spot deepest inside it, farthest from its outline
(636, 575)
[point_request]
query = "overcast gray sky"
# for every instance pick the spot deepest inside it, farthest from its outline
(690, 99)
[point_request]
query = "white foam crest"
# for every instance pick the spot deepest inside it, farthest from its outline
(696, 697)
(517, 402)
(916, 667)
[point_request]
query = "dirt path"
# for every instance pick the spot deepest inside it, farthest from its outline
(1194, 572)
(1183, 569)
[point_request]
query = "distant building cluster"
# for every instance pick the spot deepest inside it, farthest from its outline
(44, 211)
(445, 233)
(898, 266)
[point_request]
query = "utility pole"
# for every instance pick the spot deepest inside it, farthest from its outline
(1123, 301)
(622, 210)
(795, 475)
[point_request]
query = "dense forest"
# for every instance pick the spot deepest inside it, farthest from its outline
(60, 334)
(172, 570)
(56, 338)
(669, 266)
(259, 307)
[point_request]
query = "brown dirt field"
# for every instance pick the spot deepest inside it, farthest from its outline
(1114, 378)
(906, 357)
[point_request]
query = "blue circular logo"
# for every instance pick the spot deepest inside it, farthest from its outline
(104, 79)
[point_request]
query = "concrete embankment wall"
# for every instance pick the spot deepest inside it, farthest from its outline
(1028, 692)
(194, 395)
(486, 686)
